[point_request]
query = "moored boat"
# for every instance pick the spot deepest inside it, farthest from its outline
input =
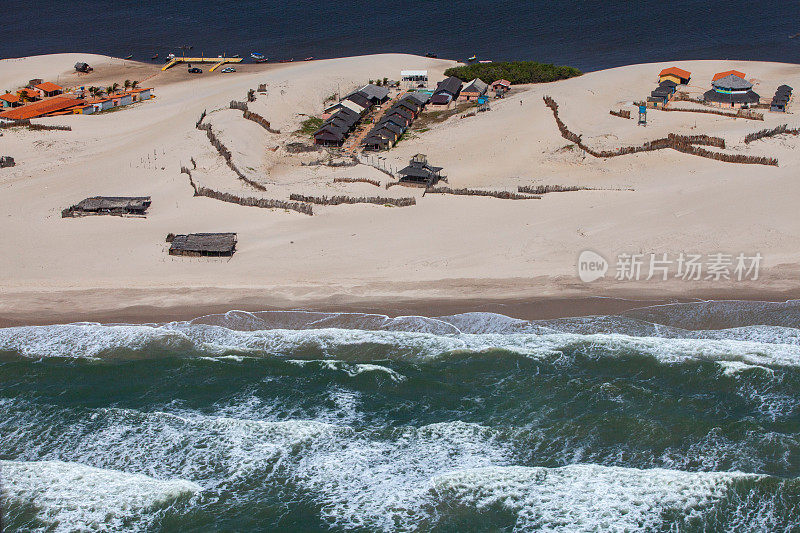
(258, 57)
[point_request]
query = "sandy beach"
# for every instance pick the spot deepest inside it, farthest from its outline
(444, 253)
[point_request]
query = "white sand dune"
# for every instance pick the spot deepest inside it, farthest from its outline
(445, 246)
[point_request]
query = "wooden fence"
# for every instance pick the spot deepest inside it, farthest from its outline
(681, 143)
(338, 200)
(357, 180)
(248, 201)
(622, 113)
(504, 195)
(255, 117)
(778, 130)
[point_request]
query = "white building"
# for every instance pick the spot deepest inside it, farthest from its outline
(414, 78)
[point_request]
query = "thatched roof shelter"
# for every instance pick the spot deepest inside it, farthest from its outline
(109, 205)
(204, 244)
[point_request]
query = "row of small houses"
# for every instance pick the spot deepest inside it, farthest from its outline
(395, 121)
(65, 104)
(781, 99)
(342, 117)
(668, 81)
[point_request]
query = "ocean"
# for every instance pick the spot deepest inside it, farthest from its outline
(587, 35)
(302, 421)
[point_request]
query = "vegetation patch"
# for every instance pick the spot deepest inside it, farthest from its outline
(514, 71)
(310, 125)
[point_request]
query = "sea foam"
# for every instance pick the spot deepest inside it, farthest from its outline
(585, 497)
(76, 497)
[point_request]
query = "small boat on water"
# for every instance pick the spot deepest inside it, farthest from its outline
(258, 57)
(485, 61)
(129, 57)
(153, 58)
(473, 58)
(309, 58)
(431, 54)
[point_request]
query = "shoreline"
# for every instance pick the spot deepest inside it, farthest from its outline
(141, 306)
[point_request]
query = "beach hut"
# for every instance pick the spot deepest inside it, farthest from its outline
(668, 85)
(203, 244)
(359, 99)
(82, 67)
(375, 94)
(500, 87)
(473, 90)
(420, 172)
(109, 205)
(10, 100)
(330, 135)
(675, 75)
(450, 85)
(48, 89)
(731, 91)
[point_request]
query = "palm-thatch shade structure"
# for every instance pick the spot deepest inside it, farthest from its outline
(203, 244)
(109, 205)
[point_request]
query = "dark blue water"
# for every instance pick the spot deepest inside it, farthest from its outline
(587, 35)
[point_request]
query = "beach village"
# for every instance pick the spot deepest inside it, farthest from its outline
(40, 98)
(390, 151)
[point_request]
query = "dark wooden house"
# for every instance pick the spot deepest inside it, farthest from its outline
(420, 172)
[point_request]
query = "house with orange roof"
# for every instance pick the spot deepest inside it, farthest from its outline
(26, 94)
(10, 100)
(41, 108)
(720, 75)
(48, 89)
(676, 75)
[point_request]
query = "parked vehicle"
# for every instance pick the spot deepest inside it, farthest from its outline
(195, 70)
(226, 70)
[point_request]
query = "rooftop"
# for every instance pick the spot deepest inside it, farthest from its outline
(720, 75)
(373, 92)
(476, 86)
(41, 108)
(732, 82)
(49, 87)
(211, 243)
(675, 71)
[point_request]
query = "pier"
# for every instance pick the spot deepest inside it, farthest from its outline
(219, 61)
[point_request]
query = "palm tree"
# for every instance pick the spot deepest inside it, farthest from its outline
(115, 87)
(134, 84)
(127, 84)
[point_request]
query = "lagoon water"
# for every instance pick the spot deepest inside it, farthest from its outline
(297, 421)
(587, 35)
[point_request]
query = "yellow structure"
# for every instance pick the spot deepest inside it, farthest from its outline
(218, 60)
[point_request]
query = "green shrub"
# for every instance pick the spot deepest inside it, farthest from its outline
(310, 125)
(514, 71)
